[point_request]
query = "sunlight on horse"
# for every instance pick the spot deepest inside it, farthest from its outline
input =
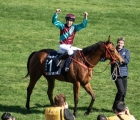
(79, 74)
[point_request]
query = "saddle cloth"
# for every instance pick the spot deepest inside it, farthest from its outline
(50, 65)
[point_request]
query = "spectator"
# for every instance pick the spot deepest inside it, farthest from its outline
(7, 116)
(122, 112)
(60, 111)
(101, 117)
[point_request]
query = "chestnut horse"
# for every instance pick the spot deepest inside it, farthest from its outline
(79, 74)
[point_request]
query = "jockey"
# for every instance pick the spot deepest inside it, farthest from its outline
(67, 33)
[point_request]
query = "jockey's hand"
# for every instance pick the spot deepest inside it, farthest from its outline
(58, 11)
(85, 15)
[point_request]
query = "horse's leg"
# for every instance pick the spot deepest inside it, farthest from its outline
(89, 90)
(33, 79)
(51, 84)
(76, 89)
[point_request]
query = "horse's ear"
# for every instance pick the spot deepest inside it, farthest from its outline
(108, 41)
(109, 38)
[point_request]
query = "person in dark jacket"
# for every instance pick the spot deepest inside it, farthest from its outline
(101, 117)
(121, 76)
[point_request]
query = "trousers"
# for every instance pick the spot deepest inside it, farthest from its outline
(121, 84)
(67, 48)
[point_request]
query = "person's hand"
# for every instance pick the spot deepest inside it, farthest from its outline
(85, 14)
(66, 105)
(58, 11)
(127, 111)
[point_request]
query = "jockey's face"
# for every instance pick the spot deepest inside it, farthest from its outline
(120, 44)
(69, 22)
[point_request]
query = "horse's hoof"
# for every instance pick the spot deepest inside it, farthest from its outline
(86, 113)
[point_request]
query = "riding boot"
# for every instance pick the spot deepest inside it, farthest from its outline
(67, 64)
(60, 58)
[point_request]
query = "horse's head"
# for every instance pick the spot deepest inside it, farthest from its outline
(111, 52)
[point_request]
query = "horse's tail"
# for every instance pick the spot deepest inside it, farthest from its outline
(29, 58)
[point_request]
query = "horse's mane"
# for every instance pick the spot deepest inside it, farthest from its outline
(91, 48)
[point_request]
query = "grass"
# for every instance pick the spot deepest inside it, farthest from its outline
(25, 26)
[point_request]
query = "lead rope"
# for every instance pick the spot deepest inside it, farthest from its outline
(115, 72)
(103, 70)
(84, 59)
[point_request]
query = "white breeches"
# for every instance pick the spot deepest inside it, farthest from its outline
(67, 48)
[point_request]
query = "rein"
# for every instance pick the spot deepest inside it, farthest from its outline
(107, 50)
(90, 68)
(103, 70)
(84, 59)
(82, 55)
(81, 63)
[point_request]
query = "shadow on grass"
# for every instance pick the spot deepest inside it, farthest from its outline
(92, 110)
(100, 110)
(18, 109)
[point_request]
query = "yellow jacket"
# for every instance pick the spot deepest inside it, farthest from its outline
(124, 117)
(54, 113)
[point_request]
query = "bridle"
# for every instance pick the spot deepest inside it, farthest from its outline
(116, 68)
(107, 51)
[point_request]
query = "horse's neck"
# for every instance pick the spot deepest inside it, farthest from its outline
(93, 58)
